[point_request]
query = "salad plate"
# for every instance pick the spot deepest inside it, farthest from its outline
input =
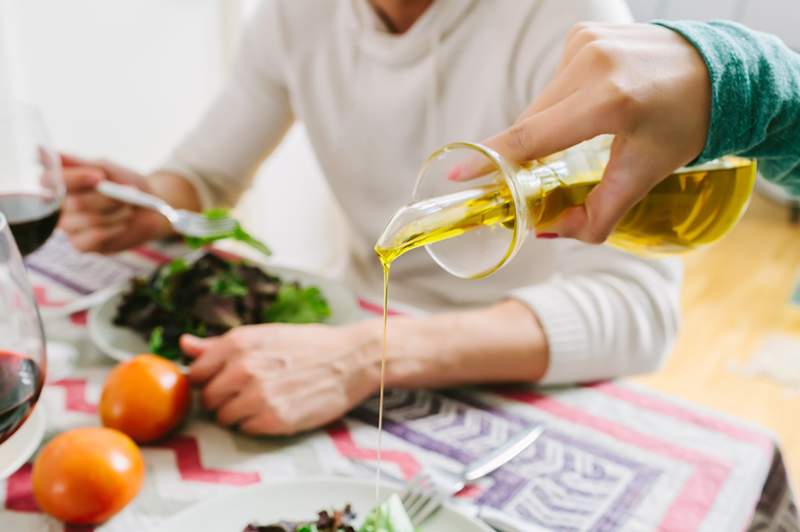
(301, 500)
(122, 342)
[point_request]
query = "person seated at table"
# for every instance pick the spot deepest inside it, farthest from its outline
(379, 85)
(672, 93)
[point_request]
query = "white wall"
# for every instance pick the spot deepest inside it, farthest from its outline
(118, 78)
(780, 17)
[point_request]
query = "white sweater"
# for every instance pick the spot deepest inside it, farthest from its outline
(376, 104)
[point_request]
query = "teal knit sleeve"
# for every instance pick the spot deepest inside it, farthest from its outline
(755, 97)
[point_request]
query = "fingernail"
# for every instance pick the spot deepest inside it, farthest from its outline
(546, 235)
(454, 173)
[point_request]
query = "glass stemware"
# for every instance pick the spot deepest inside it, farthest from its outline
(23, 361)
(31, 184)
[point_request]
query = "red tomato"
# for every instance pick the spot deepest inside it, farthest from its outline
(145, 397)
(86, 475)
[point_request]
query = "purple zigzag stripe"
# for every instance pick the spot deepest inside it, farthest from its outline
(60, 279)
(507, 484)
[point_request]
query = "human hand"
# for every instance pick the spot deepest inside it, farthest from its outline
(643, 83)
(94, 222)
(279, 379)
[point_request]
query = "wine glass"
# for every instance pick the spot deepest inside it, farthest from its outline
(22, 359)
(31, 184)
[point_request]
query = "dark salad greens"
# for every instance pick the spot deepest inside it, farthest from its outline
(210, 296)
(388, 516)
(336, 521)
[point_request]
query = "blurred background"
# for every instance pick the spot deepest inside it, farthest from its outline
(125, 80)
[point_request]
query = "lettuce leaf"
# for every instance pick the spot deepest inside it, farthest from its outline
(237, 233)
(296, 304)
(389, 516)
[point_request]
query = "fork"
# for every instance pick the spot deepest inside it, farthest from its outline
(184, 222)
(425, 493)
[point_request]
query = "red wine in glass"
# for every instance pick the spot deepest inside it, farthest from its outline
(20, 385)
(31, 217)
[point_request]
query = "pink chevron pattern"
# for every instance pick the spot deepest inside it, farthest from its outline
(346, 445)
(668, 408)
(699, 492)
(43, 299)
(76, 395)
(187, 458)
(19, 491)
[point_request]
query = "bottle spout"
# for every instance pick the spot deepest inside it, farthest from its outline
(428, 221)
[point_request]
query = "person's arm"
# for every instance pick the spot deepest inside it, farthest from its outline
(755, 96)
(605, 314)
(211, 167)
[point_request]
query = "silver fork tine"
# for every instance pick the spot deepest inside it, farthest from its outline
(199, 219)
(414, 497)
(411, 487)
(433, 504)
(424, 495)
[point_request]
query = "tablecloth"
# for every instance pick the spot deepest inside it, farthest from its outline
(613, 456)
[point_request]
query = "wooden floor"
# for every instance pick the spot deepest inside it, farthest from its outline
(734, 294)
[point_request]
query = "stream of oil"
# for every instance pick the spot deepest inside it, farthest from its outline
(386, 265)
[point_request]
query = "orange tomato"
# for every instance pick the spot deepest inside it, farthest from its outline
(145, 397)
(86, 475)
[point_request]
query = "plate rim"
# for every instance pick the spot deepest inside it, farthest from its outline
(169, 524)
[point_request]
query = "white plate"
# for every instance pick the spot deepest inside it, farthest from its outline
(299, 500)
(122, 343)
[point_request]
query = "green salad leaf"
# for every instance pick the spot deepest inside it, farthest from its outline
(389, 516)
(159, 346)
(296, 304)
(237, 233)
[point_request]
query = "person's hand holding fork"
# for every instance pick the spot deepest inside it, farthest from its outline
(95, 222)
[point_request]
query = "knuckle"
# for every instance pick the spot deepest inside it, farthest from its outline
(207, 397)
(586, 31)
(519, 138)
(245, 370)
(602, 52)
(623, 104)
(237, 337)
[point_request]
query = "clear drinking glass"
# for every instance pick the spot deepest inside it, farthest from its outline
(23, 361)
(31, 184)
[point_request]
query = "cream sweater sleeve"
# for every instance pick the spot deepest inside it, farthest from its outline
(606, 313)
(247, 120)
